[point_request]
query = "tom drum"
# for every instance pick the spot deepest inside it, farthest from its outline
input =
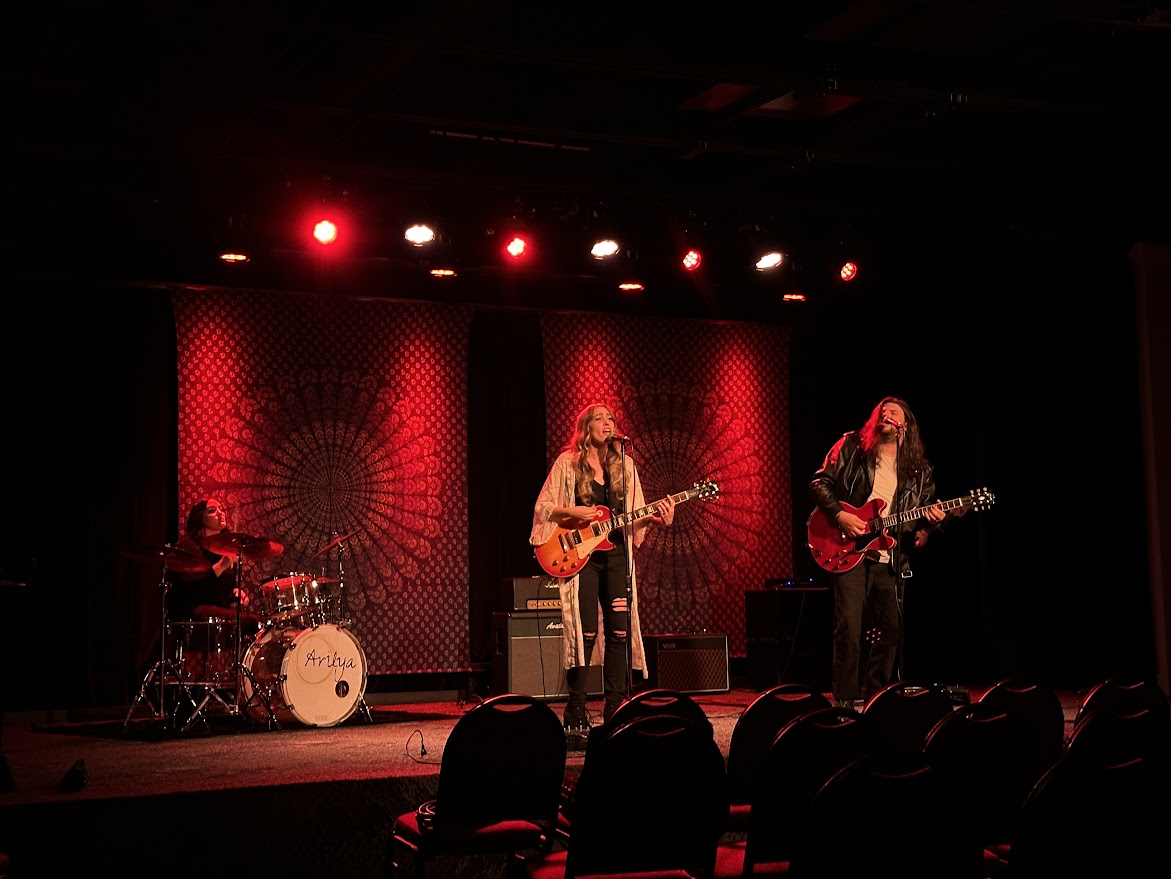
(315, 676)
(292, 598)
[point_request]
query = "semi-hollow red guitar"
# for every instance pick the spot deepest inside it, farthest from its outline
(836, 552)
(567, 551)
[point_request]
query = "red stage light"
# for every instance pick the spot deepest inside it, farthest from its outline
(692, 259)
(325, 231)
(517, 247)
(849, 271)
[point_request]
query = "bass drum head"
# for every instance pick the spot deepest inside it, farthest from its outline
(316, 676)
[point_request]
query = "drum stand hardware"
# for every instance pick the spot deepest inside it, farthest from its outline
(164, 673)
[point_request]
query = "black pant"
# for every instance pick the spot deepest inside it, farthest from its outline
(867, 591)
(603, 579)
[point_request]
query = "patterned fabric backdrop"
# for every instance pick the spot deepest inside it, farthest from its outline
(700, 401)
(312, 419)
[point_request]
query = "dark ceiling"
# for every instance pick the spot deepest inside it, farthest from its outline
(825, 122)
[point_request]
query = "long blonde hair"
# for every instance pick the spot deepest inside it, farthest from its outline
(579, 444)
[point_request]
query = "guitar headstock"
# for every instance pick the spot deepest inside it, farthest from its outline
(981, 498)
(705, 490)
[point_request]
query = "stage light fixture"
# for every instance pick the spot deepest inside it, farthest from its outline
(419, 234)
(517, 247)
(604, 248)
(848, 271)
(325, 231)
(692, 260)
(769, 261)
(631, 286)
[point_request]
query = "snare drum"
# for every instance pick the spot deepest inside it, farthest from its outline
(292, 598)
(203, 650)
(316, 676)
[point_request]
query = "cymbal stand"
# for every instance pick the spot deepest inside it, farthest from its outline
(162, 672)
(239, 669)
(340, 617)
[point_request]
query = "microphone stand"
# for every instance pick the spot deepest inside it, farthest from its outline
(628, 542)
(896, 559)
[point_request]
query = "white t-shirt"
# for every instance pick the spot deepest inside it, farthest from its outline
(885, 480)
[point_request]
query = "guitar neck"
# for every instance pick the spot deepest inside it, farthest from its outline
(908, 515)
(641, 513)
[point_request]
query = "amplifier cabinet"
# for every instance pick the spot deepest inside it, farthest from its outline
(789, 637)
(687, 663)
(530, 593)
(526, 656)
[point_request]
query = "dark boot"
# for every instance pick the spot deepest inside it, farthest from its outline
(613, 700)
(576, 717)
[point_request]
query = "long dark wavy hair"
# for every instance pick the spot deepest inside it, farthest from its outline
(195, 519)
(912, 455)
(579, 444)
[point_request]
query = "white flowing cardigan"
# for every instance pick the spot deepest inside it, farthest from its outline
(559, 491)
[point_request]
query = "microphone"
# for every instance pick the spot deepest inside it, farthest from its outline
(617, 437)
(897, 425)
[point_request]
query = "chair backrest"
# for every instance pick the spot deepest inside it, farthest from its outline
(1124, 692)
(757, 727)
(903, 712)
(652, 795)
(1121, 731)
(996, 756)
(1092, 815)
(890, 813)
(805, 754)
(1035, 703)
(504, 759)
(659, 701)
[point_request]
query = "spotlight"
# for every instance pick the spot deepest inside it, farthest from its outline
(604, 248)
(771, 260)
(419, 234)
(692, 259)
(848, 271)
(325, 231)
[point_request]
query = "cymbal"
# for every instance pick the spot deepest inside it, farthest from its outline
(326, 580)
(337, 541)
(181, 561)
(237, 543)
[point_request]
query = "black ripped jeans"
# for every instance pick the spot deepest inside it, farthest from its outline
(603, 579)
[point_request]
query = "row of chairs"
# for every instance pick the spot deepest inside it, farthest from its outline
(911, 783)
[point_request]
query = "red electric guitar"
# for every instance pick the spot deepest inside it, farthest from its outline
(836, 552)
(567, 551)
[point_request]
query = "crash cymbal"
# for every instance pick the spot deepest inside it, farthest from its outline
(181, 561)
(337, 541)
(326, 580)
(236, 543)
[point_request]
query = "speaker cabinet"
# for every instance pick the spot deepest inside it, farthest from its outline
(687, 663)
(527, 656)
(789, 637)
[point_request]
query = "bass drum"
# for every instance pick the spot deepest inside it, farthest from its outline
(315, 676)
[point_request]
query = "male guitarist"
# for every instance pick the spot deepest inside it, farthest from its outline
(884, 459)
(591, 478)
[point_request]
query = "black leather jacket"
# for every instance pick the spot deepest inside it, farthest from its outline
(845, 475)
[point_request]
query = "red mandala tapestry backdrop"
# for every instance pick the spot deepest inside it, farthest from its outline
(700, 401)
(313, 419)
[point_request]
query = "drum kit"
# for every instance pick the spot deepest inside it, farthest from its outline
(304, 665)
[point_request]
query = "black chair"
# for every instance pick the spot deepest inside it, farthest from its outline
(806, 753)
(890, 813)
(753, 735)
(903, 712)
(996, 756)
(651, 798)
(499, 786)
(1035, 703)
(1127, 693)
(1094, 816)
(646, 703)
(1121, 731)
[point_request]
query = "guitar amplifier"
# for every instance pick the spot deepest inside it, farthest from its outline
(688, 663)
(531, 593)
(527, 657)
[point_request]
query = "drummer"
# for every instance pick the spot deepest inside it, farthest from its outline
(212, 593)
